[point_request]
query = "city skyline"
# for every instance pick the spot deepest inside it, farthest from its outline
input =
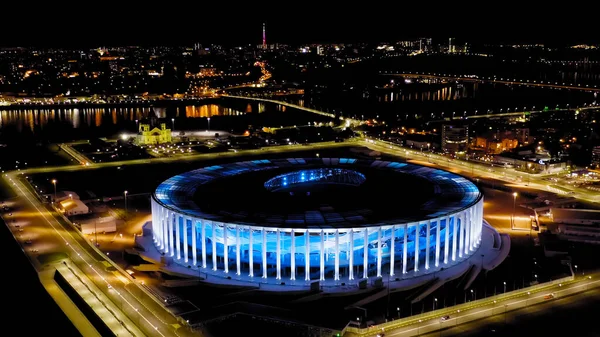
(395, 169)
(73, 28)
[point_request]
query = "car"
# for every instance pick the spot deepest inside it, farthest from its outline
(28, 242)
(549, 297)
(445, 318)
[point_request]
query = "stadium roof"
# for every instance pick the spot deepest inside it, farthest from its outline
(452, 192)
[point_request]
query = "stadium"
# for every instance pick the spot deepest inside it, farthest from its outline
(332, 221)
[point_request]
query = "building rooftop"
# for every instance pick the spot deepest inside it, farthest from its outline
(392, 193)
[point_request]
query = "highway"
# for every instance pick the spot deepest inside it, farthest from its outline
(475, 310)
(473, 169)
(550, 318)
(42, 232)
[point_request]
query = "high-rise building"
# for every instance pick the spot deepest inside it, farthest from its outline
(455, 138)
(451, 45)
(596, 157)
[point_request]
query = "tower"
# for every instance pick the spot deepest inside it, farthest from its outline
(264, 40)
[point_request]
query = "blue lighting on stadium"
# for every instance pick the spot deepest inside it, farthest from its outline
(317, 245)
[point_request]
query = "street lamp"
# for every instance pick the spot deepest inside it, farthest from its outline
(173, 123)
(434, 302)
(125, 194)
(504, 286)
(208, 119)
(512, 220)
(54, 183)
(575, 269)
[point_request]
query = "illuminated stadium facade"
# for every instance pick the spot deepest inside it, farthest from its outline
(297, 220)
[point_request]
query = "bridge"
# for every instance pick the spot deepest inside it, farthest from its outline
(349, 121)
(495, 79)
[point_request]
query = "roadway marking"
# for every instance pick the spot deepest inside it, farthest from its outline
(488, 309)
(82, 258)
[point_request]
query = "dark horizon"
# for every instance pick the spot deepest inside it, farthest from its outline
(68, 27)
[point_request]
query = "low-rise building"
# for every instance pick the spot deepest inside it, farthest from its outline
(73, 207)
(95, 223)
(574, 216)
(148, 136)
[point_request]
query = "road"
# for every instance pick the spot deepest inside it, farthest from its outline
(495, 305)
(493, 79)
(473, 169)
(573, 315)
(190, 158)
(43, 232)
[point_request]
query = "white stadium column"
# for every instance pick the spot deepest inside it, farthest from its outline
(250, 251)
(264, 253)
(379, 252)
(446, 239)
(467, 231)
(480, 219)
(214, 244)
(154, 222)
(336, 276)
(165, 223)
(461, 239)
(161, 218)
(366, 253)
(472, 228)
(237, 251)
(185, 240)
(307, 256)
(417, 230)
(454, 233)
(225, 248)
(158, 226)
(293, 256)
(178, 236)
(203, 244)
(165, 229)
(194, 238)
(171, 240)
(438, 227)
(427, 244)
(351, 255)
(405, 249)
(278, 254)
(322, 258)
(392, 250)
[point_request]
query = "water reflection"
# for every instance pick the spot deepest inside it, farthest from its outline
(38, 119)
(448, 93)
(210, 110)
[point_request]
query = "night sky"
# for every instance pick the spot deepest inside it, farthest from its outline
(122, 23)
